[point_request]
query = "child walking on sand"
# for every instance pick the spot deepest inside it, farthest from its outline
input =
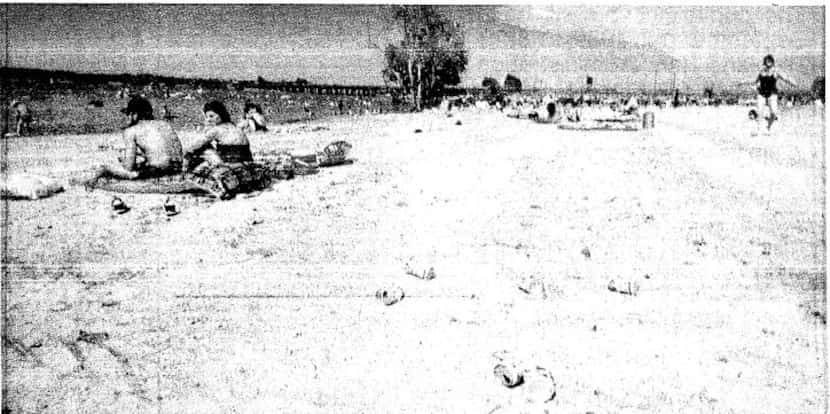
(767, 86)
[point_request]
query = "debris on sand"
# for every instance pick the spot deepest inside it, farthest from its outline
(119, 206)
(20, 346)
(517, 246)
(458, 122)
(428, 274)
(95, 338)
(587, 253)
(170, 208)
(60, 306)
(537, 385)
(509, 375)
(390, 296)
(627, 288)
(535, 288)
(256, 220)
(541, 385)
(425, 273)
(418, 131)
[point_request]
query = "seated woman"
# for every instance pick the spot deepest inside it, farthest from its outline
(223, 142)
(254, 120)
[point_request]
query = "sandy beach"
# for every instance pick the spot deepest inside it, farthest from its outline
(269, 300)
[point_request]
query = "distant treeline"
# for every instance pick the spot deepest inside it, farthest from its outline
(64, 102)
(22, 78)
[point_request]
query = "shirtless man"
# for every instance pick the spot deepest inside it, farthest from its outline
(152, 148)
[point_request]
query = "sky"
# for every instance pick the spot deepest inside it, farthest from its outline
(544, 45)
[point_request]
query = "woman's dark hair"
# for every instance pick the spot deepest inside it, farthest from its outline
(769, 58)
(219, 109)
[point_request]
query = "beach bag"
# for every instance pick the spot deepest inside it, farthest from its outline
(227, 180)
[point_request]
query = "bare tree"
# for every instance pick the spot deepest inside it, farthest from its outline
(430, 56)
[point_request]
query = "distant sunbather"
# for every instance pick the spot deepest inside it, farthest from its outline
(254, 120)
(22, 117)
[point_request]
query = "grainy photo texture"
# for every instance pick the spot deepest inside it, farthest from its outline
(413, 209)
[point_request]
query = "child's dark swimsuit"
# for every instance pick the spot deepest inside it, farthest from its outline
(767, 85)
(260, 127)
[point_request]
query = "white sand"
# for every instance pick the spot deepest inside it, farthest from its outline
(729, 229)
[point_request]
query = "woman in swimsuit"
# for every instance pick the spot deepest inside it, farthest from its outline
(223, 142)
(766, 83)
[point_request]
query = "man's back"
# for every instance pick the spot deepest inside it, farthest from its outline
(157, 141)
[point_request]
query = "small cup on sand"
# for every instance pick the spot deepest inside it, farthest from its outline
(509, 375)
(119, 206)
(170, 208)
(390, 296)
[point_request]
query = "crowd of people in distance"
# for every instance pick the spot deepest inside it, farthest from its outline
(590, 106)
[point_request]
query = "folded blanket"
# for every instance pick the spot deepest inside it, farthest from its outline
(33, 187)
(169, 184)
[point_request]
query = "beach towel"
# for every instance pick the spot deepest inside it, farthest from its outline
(227, 180)
(28, 186)
(223, 181)
(169, 184)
